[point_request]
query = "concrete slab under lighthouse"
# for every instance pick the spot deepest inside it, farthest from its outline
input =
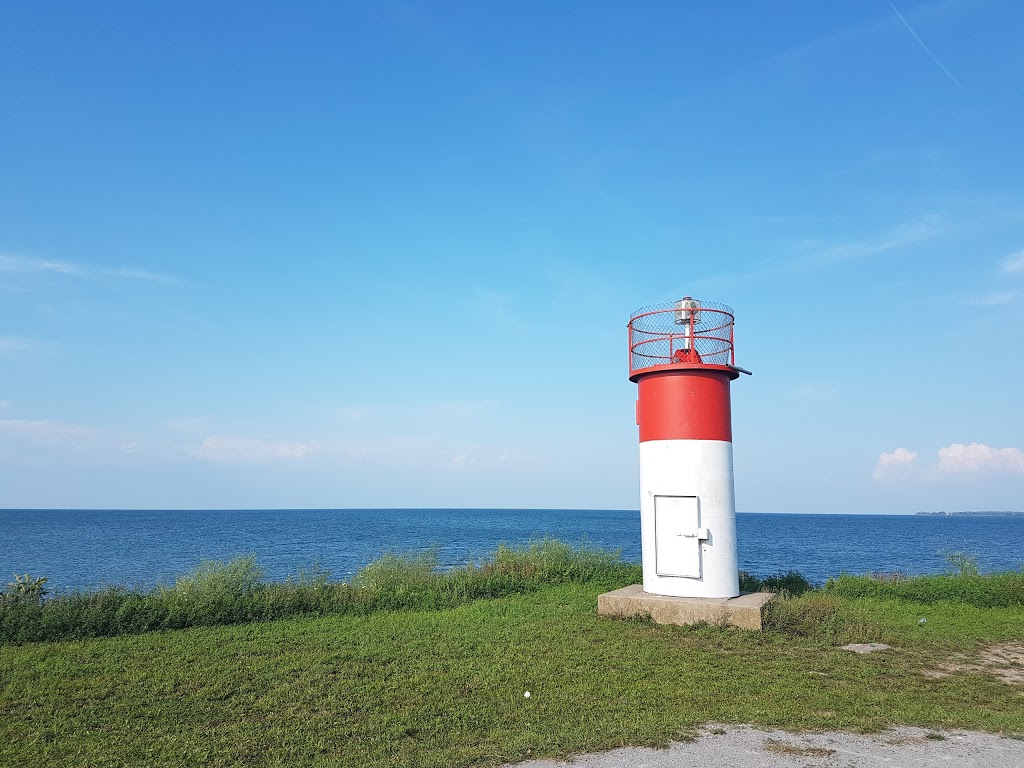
(745, 611)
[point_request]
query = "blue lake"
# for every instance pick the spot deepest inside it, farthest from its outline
(77, 549)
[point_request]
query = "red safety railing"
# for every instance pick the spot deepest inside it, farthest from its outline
(685, 331)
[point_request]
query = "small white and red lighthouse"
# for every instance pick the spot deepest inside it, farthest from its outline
(682, 357)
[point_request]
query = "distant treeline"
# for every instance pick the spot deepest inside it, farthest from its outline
(1004, 513)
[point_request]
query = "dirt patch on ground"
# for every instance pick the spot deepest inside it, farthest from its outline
(788, 748)
(1004, 661)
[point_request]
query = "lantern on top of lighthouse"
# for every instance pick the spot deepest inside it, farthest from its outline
(682, 358)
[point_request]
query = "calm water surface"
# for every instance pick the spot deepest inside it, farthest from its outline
(78, 549)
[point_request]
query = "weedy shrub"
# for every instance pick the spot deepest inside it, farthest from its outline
(24, 588)
(789, 583)
(215, 593)
(310, 592)
(997, 590)
(832, 613)
(814, 614)
(416, 581)
(398, 573)
(396, 581)
(963, 563)
(140, 613)
(75, 615)
(233, 592)
(550, 559)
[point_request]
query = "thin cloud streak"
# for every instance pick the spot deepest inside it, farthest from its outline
(10, 263)
(57, 441)
(1014, 263)
(145, 275)
(48, 432)
(248, 450)
(925, 227)
(819, 253)
(924, 47)
(10, 345)
(998, 299)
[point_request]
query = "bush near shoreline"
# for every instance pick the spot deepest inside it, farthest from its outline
(235, 592)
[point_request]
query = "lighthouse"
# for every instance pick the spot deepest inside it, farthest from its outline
(682, 358)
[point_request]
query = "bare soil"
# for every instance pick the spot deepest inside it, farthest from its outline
(1004, 661)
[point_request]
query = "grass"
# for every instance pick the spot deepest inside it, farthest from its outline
(1001, 590)
(235, 592)
(433, 676)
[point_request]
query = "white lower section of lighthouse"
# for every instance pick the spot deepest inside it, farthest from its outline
(688, 518)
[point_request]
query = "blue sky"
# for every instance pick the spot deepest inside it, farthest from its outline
(383, 254)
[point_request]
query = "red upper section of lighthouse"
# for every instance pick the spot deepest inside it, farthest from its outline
(694, 406)
(683, 334)
(682, 357)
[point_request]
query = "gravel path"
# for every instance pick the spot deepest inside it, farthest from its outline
(744, 747)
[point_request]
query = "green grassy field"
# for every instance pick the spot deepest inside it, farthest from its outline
(445, 686)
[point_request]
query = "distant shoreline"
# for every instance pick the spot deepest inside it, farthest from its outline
(986, 513)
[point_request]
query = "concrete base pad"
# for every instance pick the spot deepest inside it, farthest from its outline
(745, 611)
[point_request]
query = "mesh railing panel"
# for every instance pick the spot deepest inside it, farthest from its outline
(701, 332)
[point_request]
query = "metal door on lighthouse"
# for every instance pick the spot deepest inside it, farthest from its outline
(678, 536)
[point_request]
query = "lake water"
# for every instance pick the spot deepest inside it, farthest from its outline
(78, 549)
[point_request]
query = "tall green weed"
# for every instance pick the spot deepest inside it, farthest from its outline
(235, 591)
(789, 583)
(846, 608)
(997, 590)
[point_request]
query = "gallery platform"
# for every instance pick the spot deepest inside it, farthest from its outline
(745, 611)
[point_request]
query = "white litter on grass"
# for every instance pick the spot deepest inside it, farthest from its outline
(922, 620)
(526, 695)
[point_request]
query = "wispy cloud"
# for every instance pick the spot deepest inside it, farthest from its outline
(923, 228)
(11, 263)
(996, 299)
(924, 47)
(192, 425)
(478, 458)
(12, 345)
(1014, 263)
(890, 463)
(249, 450)
(815, 253)
(353, 414)
(49, 440)
(978, 457)
(47, 432)
(27, 264)
(145, 275)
